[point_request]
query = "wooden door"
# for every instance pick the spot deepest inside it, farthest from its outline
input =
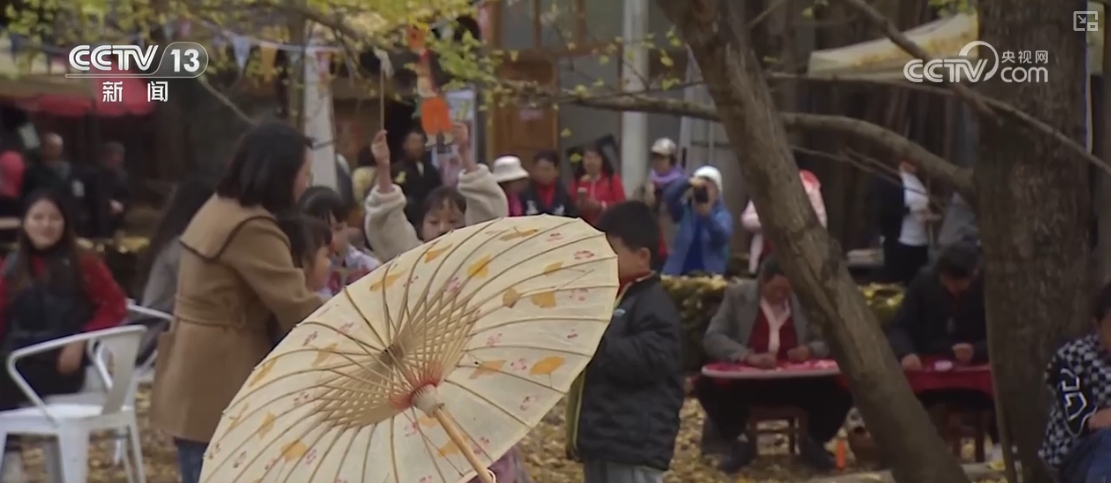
(521, 129)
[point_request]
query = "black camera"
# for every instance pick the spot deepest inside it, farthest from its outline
(701, 196)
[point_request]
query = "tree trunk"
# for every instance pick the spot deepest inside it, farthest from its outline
(1034, 214)
(811, 258)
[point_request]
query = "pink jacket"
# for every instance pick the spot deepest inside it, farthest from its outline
(751, 221)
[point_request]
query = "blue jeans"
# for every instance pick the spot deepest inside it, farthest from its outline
(190, 457)
(1088, 462)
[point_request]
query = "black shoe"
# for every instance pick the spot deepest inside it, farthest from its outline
(741, 454)
(814, 454)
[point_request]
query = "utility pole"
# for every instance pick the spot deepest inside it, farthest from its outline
(295, 76)
(634, 71)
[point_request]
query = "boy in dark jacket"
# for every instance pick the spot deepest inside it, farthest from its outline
(623, 412)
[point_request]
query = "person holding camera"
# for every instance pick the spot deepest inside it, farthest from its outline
(705, 226)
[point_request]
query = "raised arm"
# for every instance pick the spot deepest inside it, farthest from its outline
(384, 222)
(485, 199)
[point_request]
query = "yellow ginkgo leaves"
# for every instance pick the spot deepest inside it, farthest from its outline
(487, 368)
(518, 234)
(552, 268)
(385, 282)
(546, 366)
(267, 424)
(324, 354)
(510, 298)
(544, 300)
(262, 372)
(293, 451)
(435, 252)
(480, 268)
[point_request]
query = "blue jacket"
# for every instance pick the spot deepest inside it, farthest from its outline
(717, 229)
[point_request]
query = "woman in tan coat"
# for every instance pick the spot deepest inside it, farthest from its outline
(235, 273)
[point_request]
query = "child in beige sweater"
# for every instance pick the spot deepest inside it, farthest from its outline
(478, 198)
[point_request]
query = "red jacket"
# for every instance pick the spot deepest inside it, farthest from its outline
(606, 190)
(105, 295)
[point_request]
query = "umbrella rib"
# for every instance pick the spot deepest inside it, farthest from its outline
(272, 400)
(269, 442)
(488, 401)
(366, 453)
(366, 321)
(346, 453)
(537, 254)
(393, 451)
(567, 318)
(468, 435)
(429, 449)
(509, 269)
(521, 346)
(248, 415)
(423, 300)
(510, 374)
(309, 448)
(358, 343)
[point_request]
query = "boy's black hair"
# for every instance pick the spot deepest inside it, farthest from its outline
(438, 196)
(547, 155)
(307, 235)
(634, 223)
(322, 202)
(958, 261)
(771, 268)
(1101, 304)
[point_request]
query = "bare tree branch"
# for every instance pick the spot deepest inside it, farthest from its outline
(973, 98)
(900, 147)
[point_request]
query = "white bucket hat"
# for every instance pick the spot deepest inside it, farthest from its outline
(710, 173)
(664, 147)
(508, 168)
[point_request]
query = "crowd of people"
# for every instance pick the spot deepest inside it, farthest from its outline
(99, 193)
(240, 260)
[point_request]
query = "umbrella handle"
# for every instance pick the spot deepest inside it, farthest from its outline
(484, 474)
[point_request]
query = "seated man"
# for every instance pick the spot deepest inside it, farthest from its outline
(942, 314)
(760, 323)
(1078, 433)
(942, 317)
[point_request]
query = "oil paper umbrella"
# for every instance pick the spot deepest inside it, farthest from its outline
(429, 368)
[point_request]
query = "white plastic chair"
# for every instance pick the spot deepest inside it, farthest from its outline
(73, 423)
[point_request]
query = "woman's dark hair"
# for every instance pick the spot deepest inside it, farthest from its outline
(770, 268)
(439, 196)
(547, 155)
(596, 148)
(1101, 304)
(265, 164)
(187, 199)
(306, 234)
(322, 202)
(63, 260)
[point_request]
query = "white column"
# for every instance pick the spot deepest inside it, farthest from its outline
(634, 125)
(319, 124)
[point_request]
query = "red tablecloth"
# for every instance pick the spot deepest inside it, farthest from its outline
(931, 378)
(733, 370)
(971, 378)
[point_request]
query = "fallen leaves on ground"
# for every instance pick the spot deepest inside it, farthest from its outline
(542, 450)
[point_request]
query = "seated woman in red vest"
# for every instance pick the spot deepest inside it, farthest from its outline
(760, 323)
(50, 288)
